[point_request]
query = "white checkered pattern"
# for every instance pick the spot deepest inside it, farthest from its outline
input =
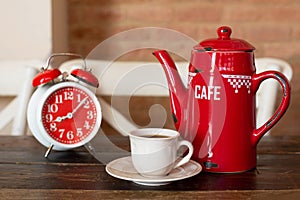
(237, 81)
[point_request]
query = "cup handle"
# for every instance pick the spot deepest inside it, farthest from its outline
(257, 79)
(186, 158)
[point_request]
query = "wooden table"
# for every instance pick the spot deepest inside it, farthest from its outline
(76, 174)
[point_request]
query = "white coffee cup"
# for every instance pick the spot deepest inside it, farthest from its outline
(154, 151)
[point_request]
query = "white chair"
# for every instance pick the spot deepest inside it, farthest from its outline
(15, 85)
(268, 91)
(148, 79)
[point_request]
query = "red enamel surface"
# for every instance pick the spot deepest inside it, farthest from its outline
(86, 77)
(45, 77)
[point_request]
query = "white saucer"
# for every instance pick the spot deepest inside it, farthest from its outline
(122, 168)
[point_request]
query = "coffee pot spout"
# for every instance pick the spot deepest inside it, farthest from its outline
(178, 92)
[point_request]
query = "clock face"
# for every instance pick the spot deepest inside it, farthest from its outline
(69, 115)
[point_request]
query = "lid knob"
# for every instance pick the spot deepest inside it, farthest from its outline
(224, 32)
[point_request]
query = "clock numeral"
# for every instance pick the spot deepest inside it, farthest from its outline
(86, 104)
(79, 132)
(53, 127)
(52, 108)
(86, 125)
(90, 114)
(58, 99)
(70, 135)
(61, 131)
(49, 118)
(68, 95)
(78, 97)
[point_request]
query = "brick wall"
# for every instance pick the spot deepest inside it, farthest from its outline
(272, 26)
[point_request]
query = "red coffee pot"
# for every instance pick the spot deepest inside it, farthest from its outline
(216, 111)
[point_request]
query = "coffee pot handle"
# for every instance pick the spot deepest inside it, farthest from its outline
(257, 79)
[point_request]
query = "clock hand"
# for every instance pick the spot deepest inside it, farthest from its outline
(58, 119)
(78, 106)
(70, 114)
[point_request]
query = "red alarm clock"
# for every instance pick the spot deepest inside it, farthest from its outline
(64, 113)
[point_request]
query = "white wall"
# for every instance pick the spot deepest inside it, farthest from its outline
(26, 29)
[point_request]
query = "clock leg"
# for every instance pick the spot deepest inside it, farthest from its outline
(48, 150)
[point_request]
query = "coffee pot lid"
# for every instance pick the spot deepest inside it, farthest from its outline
(224, 42)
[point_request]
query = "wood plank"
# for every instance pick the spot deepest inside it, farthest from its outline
(25, 149)
(85, 176)
(29, 143)
(76, 174)
(146, 194)
(279, 145)
(267, 145)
